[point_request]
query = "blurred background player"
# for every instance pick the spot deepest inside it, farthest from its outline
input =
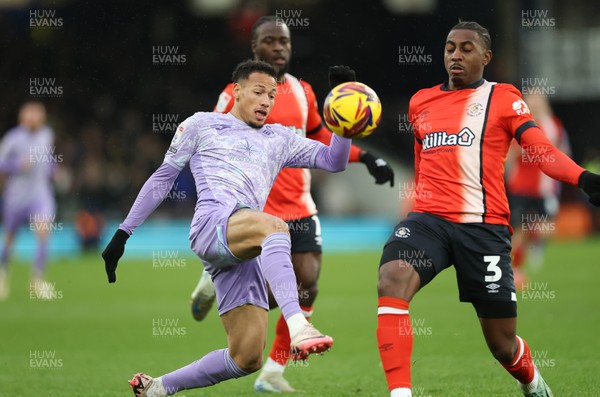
(534, 197)
(27, 162)
(290, 198)
(461, 212)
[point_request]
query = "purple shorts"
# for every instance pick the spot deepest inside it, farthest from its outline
(14, 215)
(237, 282)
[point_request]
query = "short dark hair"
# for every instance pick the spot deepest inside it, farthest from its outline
(483, 33)
(261, 21)
(246, 68)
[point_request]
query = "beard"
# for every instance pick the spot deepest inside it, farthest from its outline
(281, 70)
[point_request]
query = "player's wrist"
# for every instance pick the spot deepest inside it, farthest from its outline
(121, 235)
(366, 157)
(582, 179)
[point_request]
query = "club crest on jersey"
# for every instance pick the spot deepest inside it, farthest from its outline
(402, 232)
(520, 107)
(474, 109)
(436, 139)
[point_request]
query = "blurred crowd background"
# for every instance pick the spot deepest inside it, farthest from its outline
(113, 115)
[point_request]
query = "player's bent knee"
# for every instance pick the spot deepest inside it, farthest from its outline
(249, 361)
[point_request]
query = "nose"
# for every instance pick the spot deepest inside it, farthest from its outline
(277, 46)
(456, 55)
(265, 101)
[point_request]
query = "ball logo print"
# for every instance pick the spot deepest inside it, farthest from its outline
(352, 110)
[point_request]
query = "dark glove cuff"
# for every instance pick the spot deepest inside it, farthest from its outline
(121, 235)
(582, 178)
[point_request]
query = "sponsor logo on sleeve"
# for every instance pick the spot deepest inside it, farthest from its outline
(520, 107)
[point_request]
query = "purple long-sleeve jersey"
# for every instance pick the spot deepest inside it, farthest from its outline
(233, 164)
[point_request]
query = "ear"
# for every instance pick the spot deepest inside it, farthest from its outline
(487, 57)
(253, 46)
(236, 91)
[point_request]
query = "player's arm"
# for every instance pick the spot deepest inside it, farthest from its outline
(316, 130)
(558, 165)
(153, 192)
(301, 152)
(9, 163)
(377, 166)
(519, 122)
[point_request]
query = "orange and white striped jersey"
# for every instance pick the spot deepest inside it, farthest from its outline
(295, 107)
(462, 139)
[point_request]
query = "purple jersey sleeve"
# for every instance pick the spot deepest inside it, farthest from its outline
(9, 163)
(308, 153)
(183, 145)
(152, 194)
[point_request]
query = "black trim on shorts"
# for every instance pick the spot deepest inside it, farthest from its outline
(495, 309)
(522, 128)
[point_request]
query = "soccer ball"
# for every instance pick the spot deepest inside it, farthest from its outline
(352, 110)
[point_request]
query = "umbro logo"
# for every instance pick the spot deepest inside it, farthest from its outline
(385, 347)
(492, 288)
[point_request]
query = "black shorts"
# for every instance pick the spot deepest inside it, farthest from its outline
(525, 210)
(479, 252)
(306, 234)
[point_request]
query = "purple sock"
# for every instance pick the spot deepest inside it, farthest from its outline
(276, 266)
(41, 257)
(217, 366)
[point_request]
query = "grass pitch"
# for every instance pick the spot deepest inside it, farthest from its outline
(93, 336)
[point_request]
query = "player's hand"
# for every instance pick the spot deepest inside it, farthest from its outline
(379, 168)
(113, 252)
(590, 184)
(340, 74)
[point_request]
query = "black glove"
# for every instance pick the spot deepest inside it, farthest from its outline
(113, 252)
(378, 168)
(340, 74)
(590, 184)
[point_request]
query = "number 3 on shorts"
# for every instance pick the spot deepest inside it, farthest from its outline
(493, 267)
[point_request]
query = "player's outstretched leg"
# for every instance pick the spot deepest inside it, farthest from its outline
(276, 266)
(246, 328)
(526, 373)
(307, 266)
(514, 354)
(203, 297)
(398, 282)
